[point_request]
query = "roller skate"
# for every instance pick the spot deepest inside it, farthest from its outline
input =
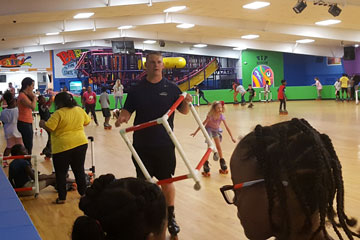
(5, 163)
(173, 227)
(46, 157)
(250, 105)
(283, 112)
(206, 168)
(107, 126)
(223, 168)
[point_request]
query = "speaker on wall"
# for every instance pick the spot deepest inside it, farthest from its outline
(349, 53)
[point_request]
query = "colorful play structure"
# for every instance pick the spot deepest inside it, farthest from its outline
(103, 67)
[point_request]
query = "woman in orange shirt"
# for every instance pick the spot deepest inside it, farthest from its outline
(26, 104)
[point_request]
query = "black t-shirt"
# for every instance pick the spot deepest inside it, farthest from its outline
(17, 172)
(251, 91)
(151, 101)
(44, 112)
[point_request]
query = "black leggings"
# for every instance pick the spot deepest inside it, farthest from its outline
(201, 95)
(27, 133)
(282, 102)
(74, 157)
(91, 108)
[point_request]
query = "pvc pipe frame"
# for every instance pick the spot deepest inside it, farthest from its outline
(36, 188)
(193, 173)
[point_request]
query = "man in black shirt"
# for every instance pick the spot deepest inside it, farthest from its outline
(151, 99)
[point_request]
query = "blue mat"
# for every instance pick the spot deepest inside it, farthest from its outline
(15, 223)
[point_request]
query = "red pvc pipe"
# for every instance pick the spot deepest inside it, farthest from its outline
(17, 157)
(174, 179)
(23, 189)
(141, 126)
(175, 105)
(204, 159)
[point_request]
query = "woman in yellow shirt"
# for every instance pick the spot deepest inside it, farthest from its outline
(69, 142)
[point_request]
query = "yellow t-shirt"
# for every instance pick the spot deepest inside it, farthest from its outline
(67, 128)
(344, 82)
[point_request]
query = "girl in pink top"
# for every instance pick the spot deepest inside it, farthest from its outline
(318, 87)
(212, 126)
(26, 104)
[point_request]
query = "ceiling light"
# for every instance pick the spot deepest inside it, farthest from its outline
(305, 41)
(256, 5)
(334, 10)
(356, 45)
(328, 22)
(238, 48)
(149, 41)
(175, 9)
(83, 15)
(125, 27)
(251, 36)
(300, 6)
(52, 34)
(200, 45)
(185, 25)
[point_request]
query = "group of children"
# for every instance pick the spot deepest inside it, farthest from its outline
(239, 89)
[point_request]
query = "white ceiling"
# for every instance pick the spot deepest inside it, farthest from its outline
(23, 24)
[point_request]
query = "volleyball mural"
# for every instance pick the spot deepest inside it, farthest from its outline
(261, 74)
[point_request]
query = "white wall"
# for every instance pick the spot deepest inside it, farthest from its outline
(15, 78)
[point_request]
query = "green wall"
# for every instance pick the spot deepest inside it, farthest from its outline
(226, 95)
(252, 58)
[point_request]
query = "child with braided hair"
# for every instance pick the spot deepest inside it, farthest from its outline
(288, 184)
(212, 126)
(128, 208)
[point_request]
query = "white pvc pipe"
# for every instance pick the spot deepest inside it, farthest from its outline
(136, 156)
(202, 128)
(193, 174)
(37, 187)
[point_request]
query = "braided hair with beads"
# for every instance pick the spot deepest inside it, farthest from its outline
(127, 208)
(294, 151)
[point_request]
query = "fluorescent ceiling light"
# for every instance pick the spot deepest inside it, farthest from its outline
(200, 45)
(251, 36)
(175, 9)
(52, 34)
(256, 5)
(83, 15)
(238, 48)
(185, 25)
(305, 41)
(328, 22)
(125, 27)
(149, 41)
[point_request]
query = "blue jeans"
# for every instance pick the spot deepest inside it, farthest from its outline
(118, 98)
(27, 133)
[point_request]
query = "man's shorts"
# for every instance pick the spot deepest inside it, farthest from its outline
(106, 112)
(160, 162)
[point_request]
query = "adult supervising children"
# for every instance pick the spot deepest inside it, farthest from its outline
(151, 99)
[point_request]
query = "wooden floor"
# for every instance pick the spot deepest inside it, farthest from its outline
(204, 214)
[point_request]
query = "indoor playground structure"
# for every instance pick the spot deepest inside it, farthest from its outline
(103, 67)
(193, 173)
